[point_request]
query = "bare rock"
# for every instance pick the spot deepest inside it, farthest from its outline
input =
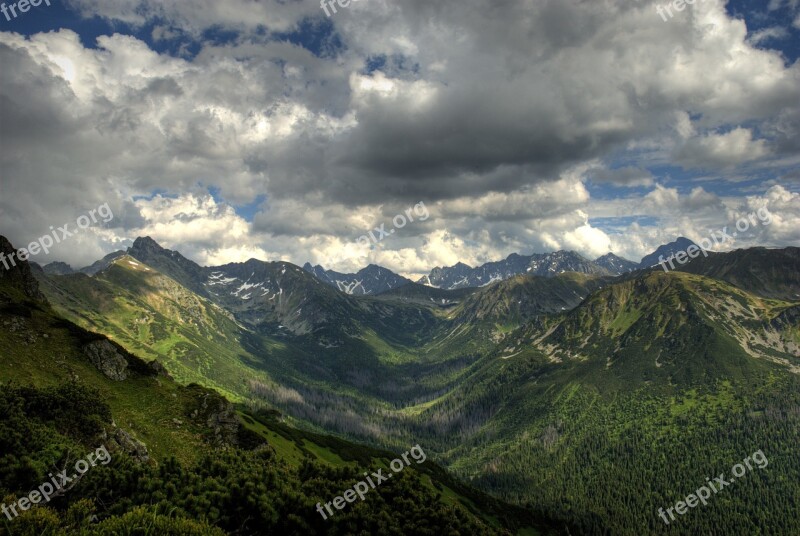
(224, 423)
(107, 359)
(133, 447)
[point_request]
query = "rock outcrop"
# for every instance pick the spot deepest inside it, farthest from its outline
(133, 447)
(217, 414)
(105, 357)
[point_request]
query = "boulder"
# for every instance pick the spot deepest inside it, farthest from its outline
(105, 357)
(133, 447)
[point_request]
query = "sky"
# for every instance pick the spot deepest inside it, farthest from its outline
(237, 129)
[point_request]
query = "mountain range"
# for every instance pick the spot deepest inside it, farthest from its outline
(375, 279)
(533, 388)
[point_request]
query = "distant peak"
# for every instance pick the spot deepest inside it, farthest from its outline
(611, 257)
(571, 254)
(146, 243)
(58, 268)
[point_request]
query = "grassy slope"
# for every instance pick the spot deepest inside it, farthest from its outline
(153, 316)
(571, 397)
(44, 353)
(42, 350)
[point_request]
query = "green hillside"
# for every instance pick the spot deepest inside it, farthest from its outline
(560, 395)
(771, 273)
(610, 411)
(183, 459)
(155, 317)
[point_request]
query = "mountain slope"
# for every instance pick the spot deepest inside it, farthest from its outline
(771, 273)
(19, 274)
(279, 297)
(155, 317)
(427, 296)
(102, 264)
(667, 375)
(263, 324)
(539, 405)
(58, 268)
(676, 326)
(170, 263)
(523, 297)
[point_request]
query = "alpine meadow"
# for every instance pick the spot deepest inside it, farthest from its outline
(437, 268)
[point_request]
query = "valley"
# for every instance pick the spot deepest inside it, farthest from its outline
(534, 389)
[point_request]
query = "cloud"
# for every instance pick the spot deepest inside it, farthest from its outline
(699, 199)
(765, 34)
(721, 151)
(496, 115)
(784, 208)
(624, 177)
(195, 16)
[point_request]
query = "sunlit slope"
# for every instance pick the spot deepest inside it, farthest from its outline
(677, 325)
(155, 317)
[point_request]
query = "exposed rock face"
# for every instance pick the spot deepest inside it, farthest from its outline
(159, 369)
(372, 280)
(212, 411)
(134, 448)
(18, 272)
(222, 420)
(787, 319)
(107, 359)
